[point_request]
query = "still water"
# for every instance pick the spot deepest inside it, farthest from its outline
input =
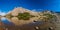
(31, 26)
(6, 21)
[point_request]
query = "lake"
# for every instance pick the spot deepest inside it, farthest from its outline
(31, 26)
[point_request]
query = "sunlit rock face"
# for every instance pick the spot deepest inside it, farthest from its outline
(22, 10)
(17, 10)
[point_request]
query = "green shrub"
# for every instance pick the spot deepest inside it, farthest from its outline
(24, 16)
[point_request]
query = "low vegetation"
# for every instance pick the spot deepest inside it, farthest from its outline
(48, 17)
(24, 16)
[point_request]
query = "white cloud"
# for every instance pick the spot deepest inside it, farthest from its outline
(34, 10)
(2, 13)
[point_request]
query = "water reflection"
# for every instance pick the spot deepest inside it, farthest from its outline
(6, 21)
(31, 26)
(5, 24)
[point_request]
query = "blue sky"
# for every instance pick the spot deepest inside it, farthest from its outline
(8, 5)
